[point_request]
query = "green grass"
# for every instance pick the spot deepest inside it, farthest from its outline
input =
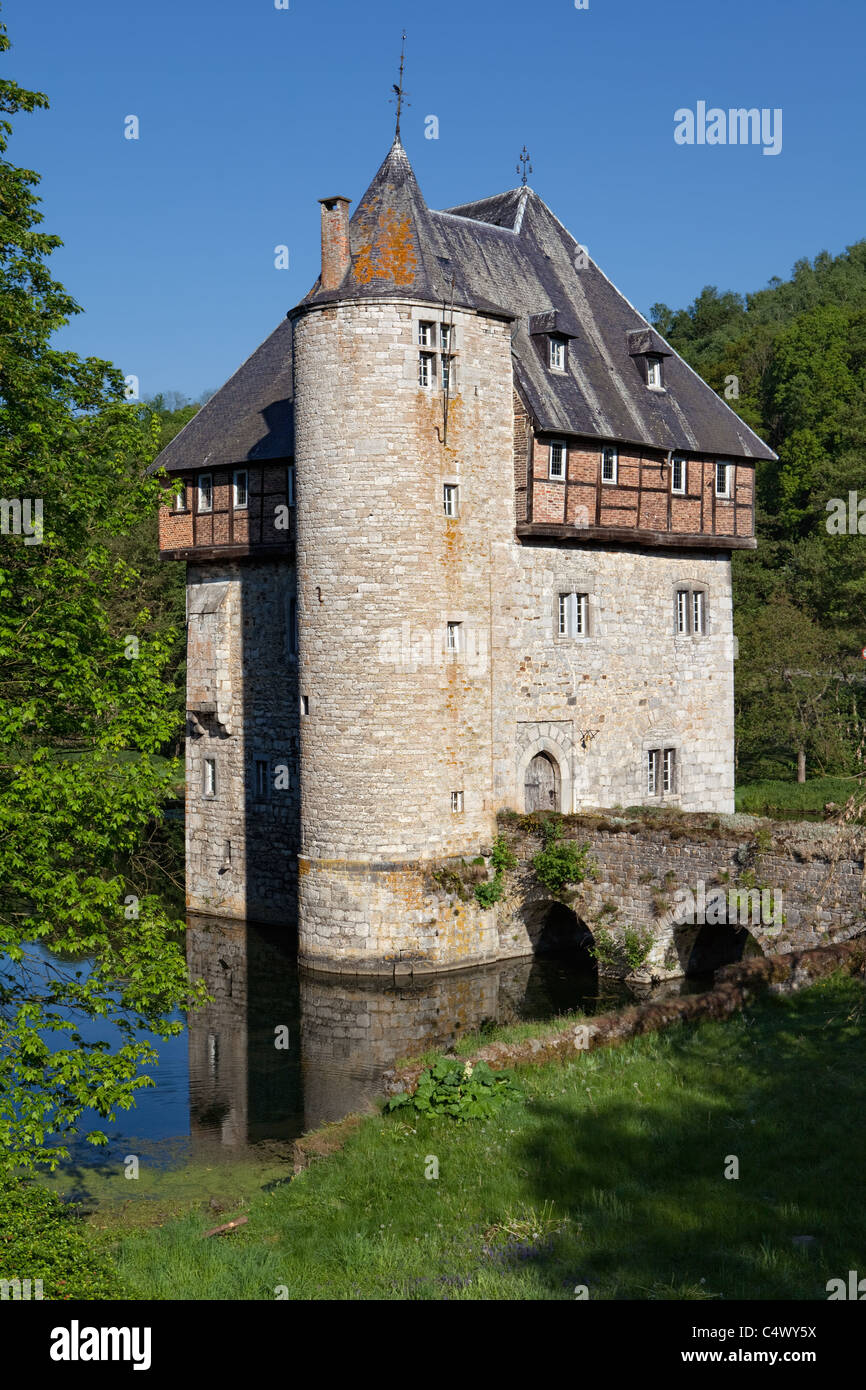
(783, 799)
(609, 1173)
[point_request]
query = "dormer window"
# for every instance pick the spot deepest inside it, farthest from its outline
(609, 463)
(654, 372)
(557, 353)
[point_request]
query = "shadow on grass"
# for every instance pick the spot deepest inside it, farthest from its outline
(637, 1173)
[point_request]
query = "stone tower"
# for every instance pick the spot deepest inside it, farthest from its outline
(458, 539)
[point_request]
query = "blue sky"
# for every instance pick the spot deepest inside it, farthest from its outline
(249, 114)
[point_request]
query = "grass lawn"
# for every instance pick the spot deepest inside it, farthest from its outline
(609, 1173)
(795, 798)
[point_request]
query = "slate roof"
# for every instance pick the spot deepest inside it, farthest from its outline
(506, 255)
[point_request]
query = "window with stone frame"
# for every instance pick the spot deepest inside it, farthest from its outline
(690, 611)
(661, 771)
(573, 615)
(426, 369)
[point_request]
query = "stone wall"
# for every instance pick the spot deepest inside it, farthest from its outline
(812, 877)
(241, 848)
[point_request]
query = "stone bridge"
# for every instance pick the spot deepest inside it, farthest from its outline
(675, 894)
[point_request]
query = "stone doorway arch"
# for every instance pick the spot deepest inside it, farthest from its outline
(542, 784)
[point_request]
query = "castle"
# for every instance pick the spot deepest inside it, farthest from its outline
(458, 539)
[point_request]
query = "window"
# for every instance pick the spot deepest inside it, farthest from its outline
(452, 637)
(557, 354)
(426, 368)
(609, 464)
(660, 771)
(678, 473)
(450, 499)
(654, 372)
(682, 610)
(557, 459)
(260, 773)
(305, 704)
(180, 499)
(456, 803)
(241, 491)
(723, 479)
(290, 485)
(292, 627)
(691, 612)
(425, 334)
(210, 777)
(447, 374)
(205, 492)
(445, 337)
(573, 615)
(697, 611)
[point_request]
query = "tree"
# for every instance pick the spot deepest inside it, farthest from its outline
(85, 707)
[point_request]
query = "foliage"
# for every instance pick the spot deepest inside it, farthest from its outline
(560, 862)
(87, 703)
(636, 947)
(628, 949)
(502, 859)
(40, 1238)
(452, 1087)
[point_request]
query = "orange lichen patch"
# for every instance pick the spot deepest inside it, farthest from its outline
(391, 255)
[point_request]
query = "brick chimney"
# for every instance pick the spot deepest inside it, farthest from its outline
(335, 241)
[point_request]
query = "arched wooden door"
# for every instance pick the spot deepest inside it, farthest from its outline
(540, 786)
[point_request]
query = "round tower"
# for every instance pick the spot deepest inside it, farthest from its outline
(404, 506)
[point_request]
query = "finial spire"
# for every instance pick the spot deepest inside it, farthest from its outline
(400, 95)
(526, 166)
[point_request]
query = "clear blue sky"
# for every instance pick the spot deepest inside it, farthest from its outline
(249, 114)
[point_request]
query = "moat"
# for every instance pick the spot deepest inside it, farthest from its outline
(281, 1051)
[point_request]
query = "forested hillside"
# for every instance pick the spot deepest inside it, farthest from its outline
(791, 360)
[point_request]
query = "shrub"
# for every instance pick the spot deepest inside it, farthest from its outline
(502, 859)
(452, 1087)
(561, 861)
(41, 1238)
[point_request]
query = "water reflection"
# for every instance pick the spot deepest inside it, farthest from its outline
(342, 1031)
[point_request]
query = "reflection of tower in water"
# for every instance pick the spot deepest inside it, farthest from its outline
(342, 1031)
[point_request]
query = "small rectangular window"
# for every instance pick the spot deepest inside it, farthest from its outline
(425, 334)
(210, 778)
(305, 704)
(682, 610)
(678, 474)
(697, 611)
(241, 492)
(261, 778)
(660, 771)
(557, 354)
(609, 464)
(668, 757)
(652, 768)
(447, 374)
(205, 492)
(654, 372)
(456, 803)
(452, 637)
(445, 337)
(426, 368)
(558, 458)
(290, 485)
(723, 480)
(451, 499)
(573, 615)
(180, 498)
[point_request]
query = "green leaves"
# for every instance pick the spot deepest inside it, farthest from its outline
(84, 726)
(561, 861)
(464, 1090)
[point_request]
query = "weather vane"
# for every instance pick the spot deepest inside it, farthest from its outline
(399, 93)
(524, 170)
